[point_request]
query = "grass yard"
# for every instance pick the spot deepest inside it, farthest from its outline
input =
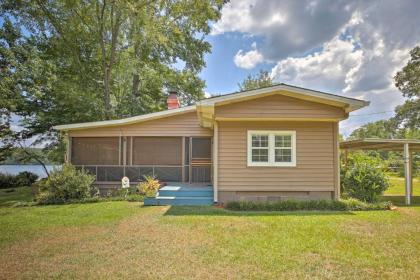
(398, 186)
(125, 240)
(10, 196)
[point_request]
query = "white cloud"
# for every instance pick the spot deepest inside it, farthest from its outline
(359, 45)
(235, 15)
(250, 59)
(328, 69)
(289, 27)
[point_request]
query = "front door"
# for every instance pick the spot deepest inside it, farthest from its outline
(201, 160)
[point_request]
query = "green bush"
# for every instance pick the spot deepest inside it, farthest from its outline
(365, 179)
(66, 184)
(26, 178)
(296, 205)
(23, 179)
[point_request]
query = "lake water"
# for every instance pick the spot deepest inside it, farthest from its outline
(37, 169)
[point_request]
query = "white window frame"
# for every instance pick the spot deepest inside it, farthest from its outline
(271, 147)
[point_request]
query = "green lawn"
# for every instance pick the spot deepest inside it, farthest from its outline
(398, 186)
(11, 196)
(125, 240)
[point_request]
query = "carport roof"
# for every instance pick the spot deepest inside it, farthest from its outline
(380, 144)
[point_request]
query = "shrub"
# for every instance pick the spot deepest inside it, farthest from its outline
(23, 179)
(149, 187)
(26, 178)
(365, 179)
(65, 185)
(295, 205)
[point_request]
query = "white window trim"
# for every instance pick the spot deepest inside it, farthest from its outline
(271, 148)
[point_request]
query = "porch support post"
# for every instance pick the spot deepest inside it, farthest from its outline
(124, 150)
(131, 150)
(183, 159)
(69, 146)
(215, 159)
(119, 149)
(407, 173)
(190, 175)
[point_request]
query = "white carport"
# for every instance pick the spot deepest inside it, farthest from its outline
(408, 146)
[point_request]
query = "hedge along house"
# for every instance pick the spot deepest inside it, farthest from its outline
(278, 142)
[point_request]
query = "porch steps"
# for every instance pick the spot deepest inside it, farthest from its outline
(182, 195)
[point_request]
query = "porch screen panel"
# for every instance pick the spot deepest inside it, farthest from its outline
(95, 151)
(201, 174)
(157, 151)
(201, 148)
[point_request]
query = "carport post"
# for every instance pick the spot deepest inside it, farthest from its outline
(407, 173)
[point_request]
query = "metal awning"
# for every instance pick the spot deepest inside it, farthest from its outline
(381, 144)
(408, 146)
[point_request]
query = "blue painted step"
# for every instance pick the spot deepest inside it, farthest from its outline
(182, 195)
(168, 200)
(182, 191)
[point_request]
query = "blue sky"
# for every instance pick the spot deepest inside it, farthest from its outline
(221, 74)
(351, 48)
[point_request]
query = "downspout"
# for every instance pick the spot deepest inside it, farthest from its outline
(337, 159)
(215, 160)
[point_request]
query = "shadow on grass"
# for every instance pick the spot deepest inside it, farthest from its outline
(399, 200)
(214, 211)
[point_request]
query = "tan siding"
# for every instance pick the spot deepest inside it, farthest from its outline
(181, 125)
(315, 158)
(278, 106)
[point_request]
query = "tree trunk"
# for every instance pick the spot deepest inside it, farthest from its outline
(136, 83)
(107, 65)
(107, 99)
(33, 156)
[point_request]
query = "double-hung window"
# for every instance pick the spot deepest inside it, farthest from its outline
(271, 148)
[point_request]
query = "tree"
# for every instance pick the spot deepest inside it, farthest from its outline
(408, 82)
(79, 61)
(262, 79)
(408, 79)
(407, 115)
(385, 129)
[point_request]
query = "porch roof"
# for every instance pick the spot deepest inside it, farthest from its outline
(380, 144)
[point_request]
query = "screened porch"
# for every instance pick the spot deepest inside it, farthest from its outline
(169, 159)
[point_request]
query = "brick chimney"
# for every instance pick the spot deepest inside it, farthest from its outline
(172, 101)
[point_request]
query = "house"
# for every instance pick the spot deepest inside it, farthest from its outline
(277, 142)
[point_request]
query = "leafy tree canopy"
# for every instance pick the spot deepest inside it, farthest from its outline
(75, 61)
(408, 79)
(262, 79)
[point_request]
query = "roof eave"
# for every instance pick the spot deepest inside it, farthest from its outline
(126, 121)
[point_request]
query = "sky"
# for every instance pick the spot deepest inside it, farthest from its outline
(350, 48)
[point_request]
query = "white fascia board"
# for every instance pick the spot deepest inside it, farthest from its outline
(126, 121)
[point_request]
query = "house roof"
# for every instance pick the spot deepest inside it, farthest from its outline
(126, 121)
(380, 144)
(205, 107)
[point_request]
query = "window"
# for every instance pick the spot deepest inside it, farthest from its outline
(271, 148)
